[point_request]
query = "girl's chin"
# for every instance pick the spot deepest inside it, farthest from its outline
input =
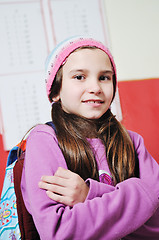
(89, 116)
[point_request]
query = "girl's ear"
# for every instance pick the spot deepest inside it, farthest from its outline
(56, 99)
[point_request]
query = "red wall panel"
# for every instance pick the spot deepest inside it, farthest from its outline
(3, 161)
(140, 109)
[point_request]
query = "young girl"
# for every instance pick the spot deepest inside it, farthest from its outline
(101, 182)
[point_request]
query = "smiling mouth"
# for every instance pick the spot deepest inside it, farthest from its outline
(93, 101)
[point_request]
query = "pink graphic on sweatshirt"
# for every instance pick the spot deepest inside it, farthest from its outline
(105, 177)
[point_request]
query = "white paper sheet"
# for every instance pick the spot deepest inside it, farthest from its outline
(23, 44)
(23, 104)
(74, 17)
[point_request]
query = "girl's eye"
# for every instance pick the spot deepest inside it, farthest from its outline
(79, 77)
(104, 78)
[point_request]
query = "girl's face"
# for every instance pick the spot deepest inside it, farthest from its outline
(87, 84)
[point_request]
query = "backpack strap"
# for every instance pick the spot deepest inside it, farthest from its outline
(12, 156)
(26, 223)
(51, 124)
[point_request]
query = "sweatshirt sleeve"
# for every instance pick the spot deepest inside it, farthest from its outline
(107, 212)
(149, 173)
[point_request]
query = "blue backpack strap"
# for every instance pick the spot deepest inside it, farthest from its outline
(51, 124)
(12, 156)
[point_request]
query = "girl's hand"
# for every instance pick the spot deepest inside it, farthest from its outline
(65, 187)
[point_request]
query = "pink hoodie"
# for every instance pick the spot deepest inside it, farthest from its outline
(130, 210)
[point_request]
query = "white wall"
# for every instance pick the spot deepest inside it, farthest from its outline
(134, 35)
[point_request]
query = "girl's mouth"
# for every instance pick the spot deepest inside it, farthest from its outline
(93, 101)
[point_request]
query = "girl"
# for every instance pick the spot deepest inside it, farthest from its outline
(101, 182)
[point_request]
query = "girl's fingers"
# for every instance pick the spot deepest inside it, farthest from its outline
(64, 173)
(60, 174)
(70, 178)
(62, 177)
(65, 187)
(60, 190)
(61, 199)
(54, 180)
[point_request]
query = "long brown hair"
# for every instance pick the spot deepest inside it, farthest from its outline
(73, 131)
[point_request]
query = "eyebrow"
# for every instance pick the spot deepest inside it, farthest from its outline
(78, 70)
(85, 70)
(107, 71)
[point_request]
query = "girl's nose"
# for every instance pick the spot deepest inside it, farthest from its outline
(94, 87)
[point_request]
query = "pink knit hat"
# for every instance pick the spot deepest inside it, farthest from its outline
(58, 56)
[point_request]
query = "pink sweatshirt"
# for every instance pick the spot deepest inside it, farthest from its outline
(130, 210)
